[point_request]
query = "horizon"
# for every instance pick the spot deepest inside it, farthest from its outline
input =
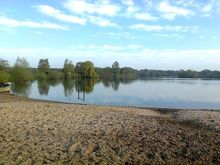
(159, 35)
(32, 67)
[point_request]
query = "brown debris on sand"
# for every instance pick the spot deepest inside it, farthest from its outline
(38, 132)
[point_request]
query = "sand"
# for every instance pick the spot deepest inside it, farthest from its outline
(41, 132)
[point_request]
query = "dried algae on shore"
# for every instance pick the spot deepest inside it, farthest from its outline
(38, 132)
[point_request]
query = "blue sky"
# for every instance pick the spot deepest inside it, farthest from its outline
(154, 34)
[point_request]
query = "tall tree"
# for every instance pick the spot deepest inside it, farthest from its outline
(21, 71)
(116, 69)
(44, 66)
(21, 62)
(86, 69)
(68, 69)
(4, 65)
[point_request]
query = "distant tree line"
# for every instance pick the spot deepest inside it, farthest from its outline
(21, 71)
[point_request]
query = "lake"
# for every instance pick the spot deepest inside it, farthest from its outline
(160, 93)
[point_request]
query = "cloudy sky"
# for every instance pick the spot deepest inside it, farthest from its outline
(154, 34)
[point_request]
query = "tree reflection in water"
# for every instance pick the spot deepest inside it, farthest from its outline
(22, 88)
(109, 82)
(68, 85)
(84, 85)
(43, 87)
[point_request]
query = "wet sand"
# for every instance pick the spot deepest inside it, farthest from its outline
(41, 132)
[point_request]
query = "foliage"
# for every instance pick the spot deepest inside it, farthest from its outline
(55, 75)
(105, 72)
(41, 76)
(68, 69)
(21, 62)
(44, 66)
(116, 69)
(21, 71)
(78, 67)
(188, 74)
(209, 74)
(128, 72)
(4, 77)
(4, 65)
(86, 69)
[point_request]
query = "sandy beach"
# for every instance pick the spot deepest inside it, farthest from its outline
(41, 132)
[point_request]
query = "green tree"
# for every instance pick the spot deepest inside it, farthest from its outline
(21, 71)
(78, 67)
(86, 69)
(4, 65)
(105, 73)
(68, 69)
(44, 66)
(4, 77)
(116, 69)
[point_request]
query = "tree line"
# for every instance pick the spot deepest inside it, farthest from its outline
(21, 71)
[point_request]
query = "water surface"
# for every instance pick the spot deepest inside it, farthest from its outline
(161, 93)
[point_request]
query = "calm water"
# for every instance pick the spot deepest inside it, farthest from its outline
(163, 93)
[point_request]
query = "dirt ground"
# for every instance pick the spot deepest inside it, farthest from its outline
(40, 132)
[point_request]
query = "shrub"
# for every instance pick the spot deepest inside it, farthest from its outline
(21, 71)
(4, 77)
(55, 75)
(20, 74)
(41, 76)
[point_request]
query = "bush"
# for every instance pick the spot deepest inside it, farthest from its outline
(4, 77)
(20, 74)
(41, 76)
(55, 75)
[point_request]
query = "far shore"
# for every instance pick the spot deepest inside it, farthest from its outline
(39, 132)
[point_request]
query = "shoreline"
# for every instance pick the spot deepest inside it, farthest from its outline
(119, 106)
(39, 131)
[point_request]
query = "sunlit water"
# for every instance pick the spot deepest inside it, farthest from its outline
(160, 93)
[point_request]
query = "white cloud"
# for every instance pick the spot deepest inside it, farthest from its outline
(102, 22)
(135, 46)
(128, 2)
(55, 13)
(134, 11)
(210, 8)
(170, 12)
(160, 28)
(12, 23)
(207, 8)
(97, 20)
(147, 27)
(99, 7)
(108, 47)
(167, 35)
(112, 47)
(114, 35)
(131, 8)
(145, 17)
(186, 3)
